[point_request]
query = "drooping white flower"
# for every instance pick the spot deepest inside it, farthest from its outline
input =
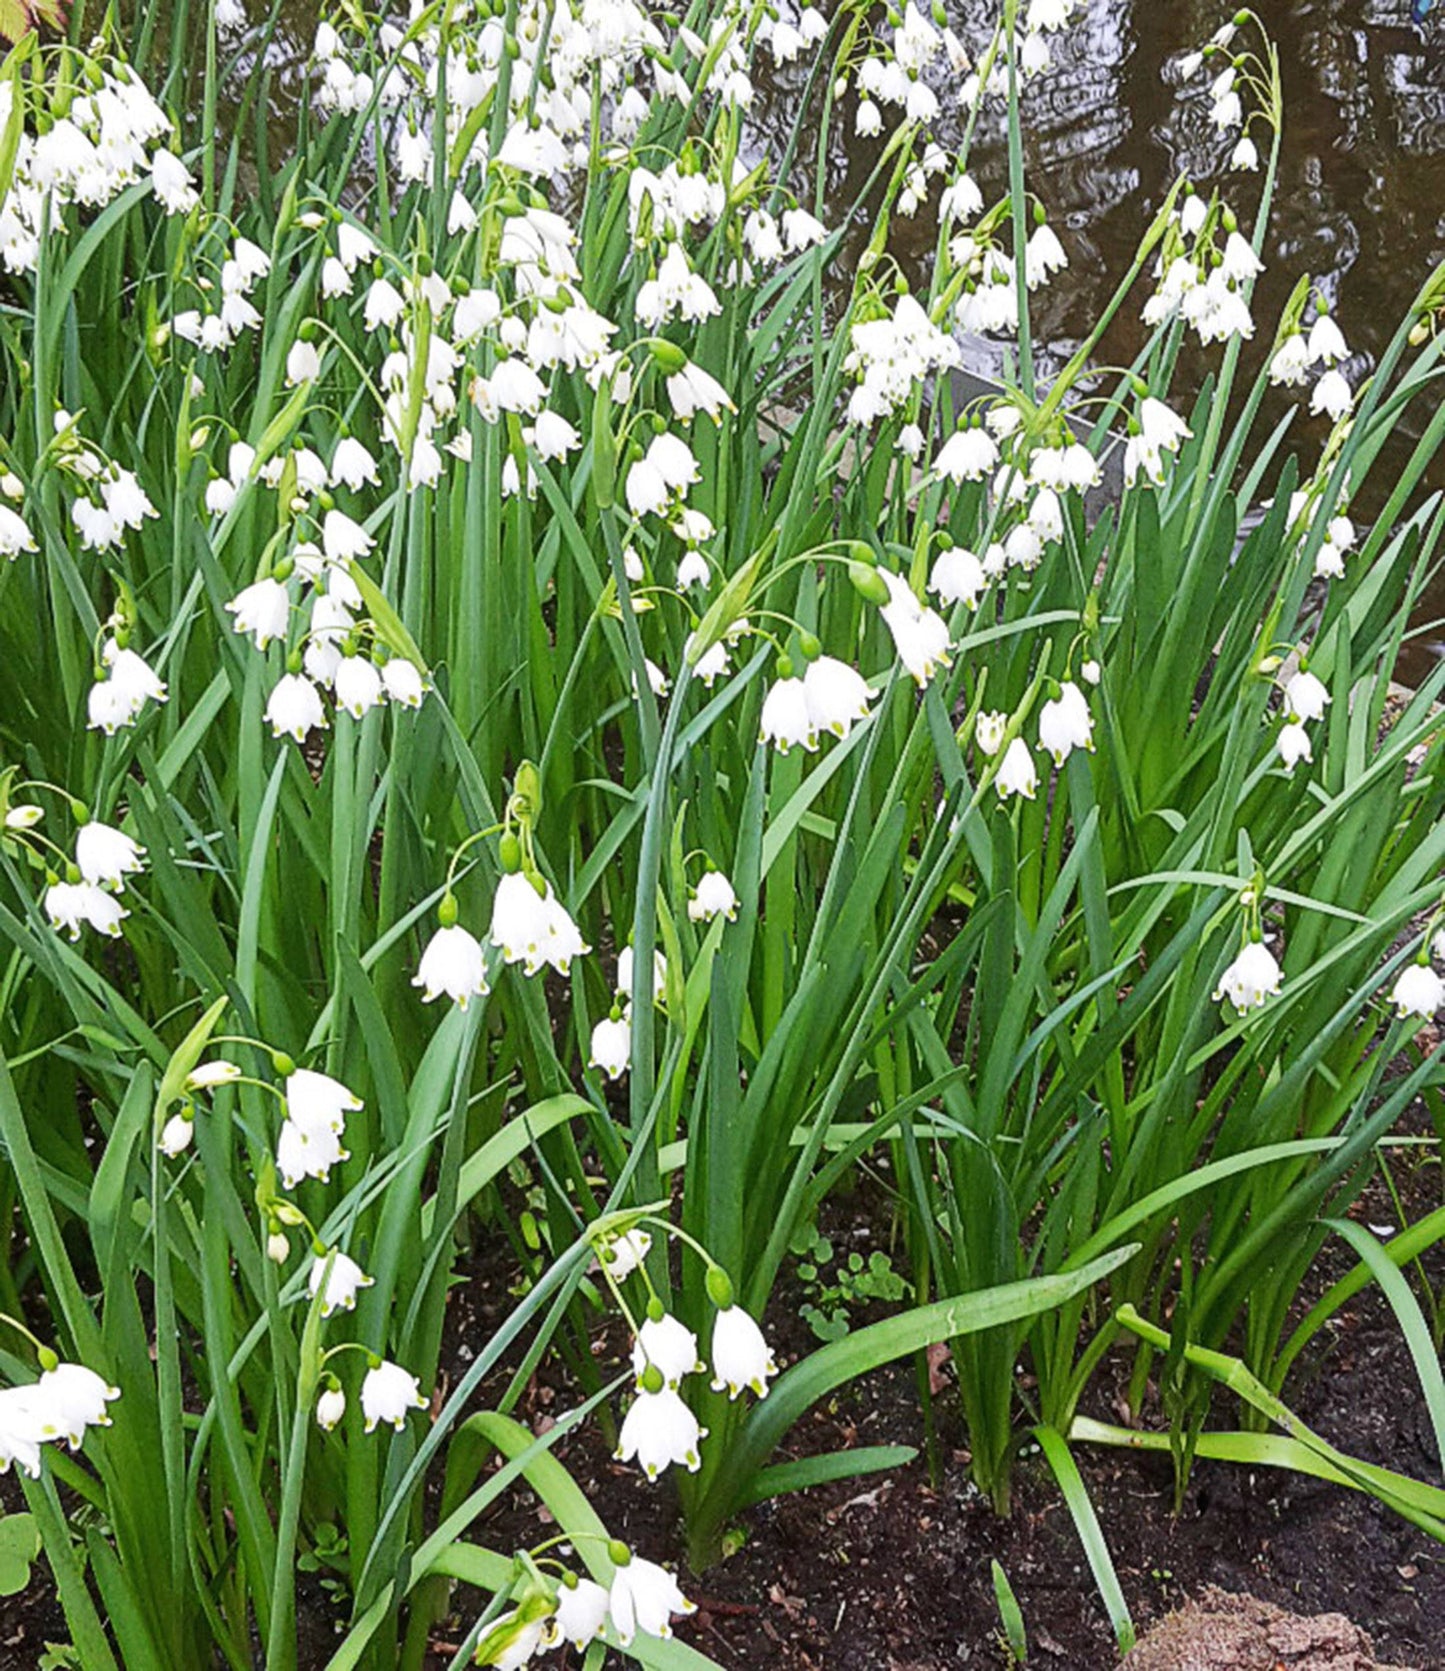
(659, 1430)
(1418, 991)
(1245, 156)
(453, 963)
(262, 609)
(342, 539)
(1017, 775)
(668, 1346)
(344, 1282)
(1044, 254)
(389, 1394)
(1305, 696)
(353, 464)
(1293, 744)
(303, 363)
(740, 1354)
(105, 857)
(404, 682)
(1332, 395)
(330, 1408)
(623, 982)
(611, 1047)
(643, 1597)
(920, 636)
(1065, 723)
(581, 1614)
(15, 535)
(835, 695)
(171, 181)
(71, 904)
(317, 1102)
(786, 719)
(176, 1135)
(1252, 978)
(969, 454)
(73, 1398)
(1291, 361)
(307, 1154)
(294, 708)
(1327, 344)
(957, 577)
(358, 686)
(712, 897)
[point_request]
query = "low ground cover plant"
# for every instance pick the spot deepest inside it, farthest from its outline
(536, 710)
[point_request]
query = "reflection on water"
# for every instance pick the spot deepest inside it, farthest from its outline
(1361, 199)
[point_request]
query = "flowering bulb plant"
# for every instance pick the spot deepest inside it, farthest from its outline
(527, 667)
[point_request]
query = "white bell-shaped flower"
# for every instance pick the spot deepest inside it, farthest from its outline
(176, 1135)
(668, 1346)
(344, 1282)
(957, 577)
(294, 708)
(106, 856)
(1293, 744)
(263, 609)
(836, 695)
(740, 1355)
(389, 1394)
(1017, 775)
(358, 686)
(307, 1154)
(712, 897)
(73, 1398)
(317, 1102)
(622, 1254)
(581, 1615)
(1065, 723)
(453, 963)
(1418, 991)
(659, 1430)
(69, 905)
(611, 1049)
(786, 720)
(643, 1597)
(1305, 696)
(330, 1408)
(1251, 979)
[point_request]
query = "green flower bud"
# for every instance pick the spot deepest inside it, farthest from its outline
(668, 357)
(653, 1380)
(868, 583)
(282, 1063)
(719, 1287)
(509, 853)
(447, 910)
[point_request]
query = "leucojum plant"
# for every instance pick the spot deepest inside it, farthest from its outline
(522, 549)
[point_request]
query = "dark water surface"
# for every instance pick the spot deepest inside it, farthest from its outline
(1360, 202)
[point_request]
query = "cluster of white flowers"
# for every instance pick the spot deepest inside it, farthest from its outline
(578, 1611)
(104, 857)
(92, 144)
(660, 1429)
(1301, 352)
(1305, 700)
(67, 1399)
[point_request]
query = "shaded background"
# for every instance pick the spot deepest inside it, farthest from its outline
(1361, 195)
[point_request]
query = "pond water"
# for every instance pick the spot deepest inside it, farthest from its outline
(1361, 199)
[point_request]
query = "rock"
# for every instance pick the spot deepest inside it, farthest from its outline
(1223, 1632)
